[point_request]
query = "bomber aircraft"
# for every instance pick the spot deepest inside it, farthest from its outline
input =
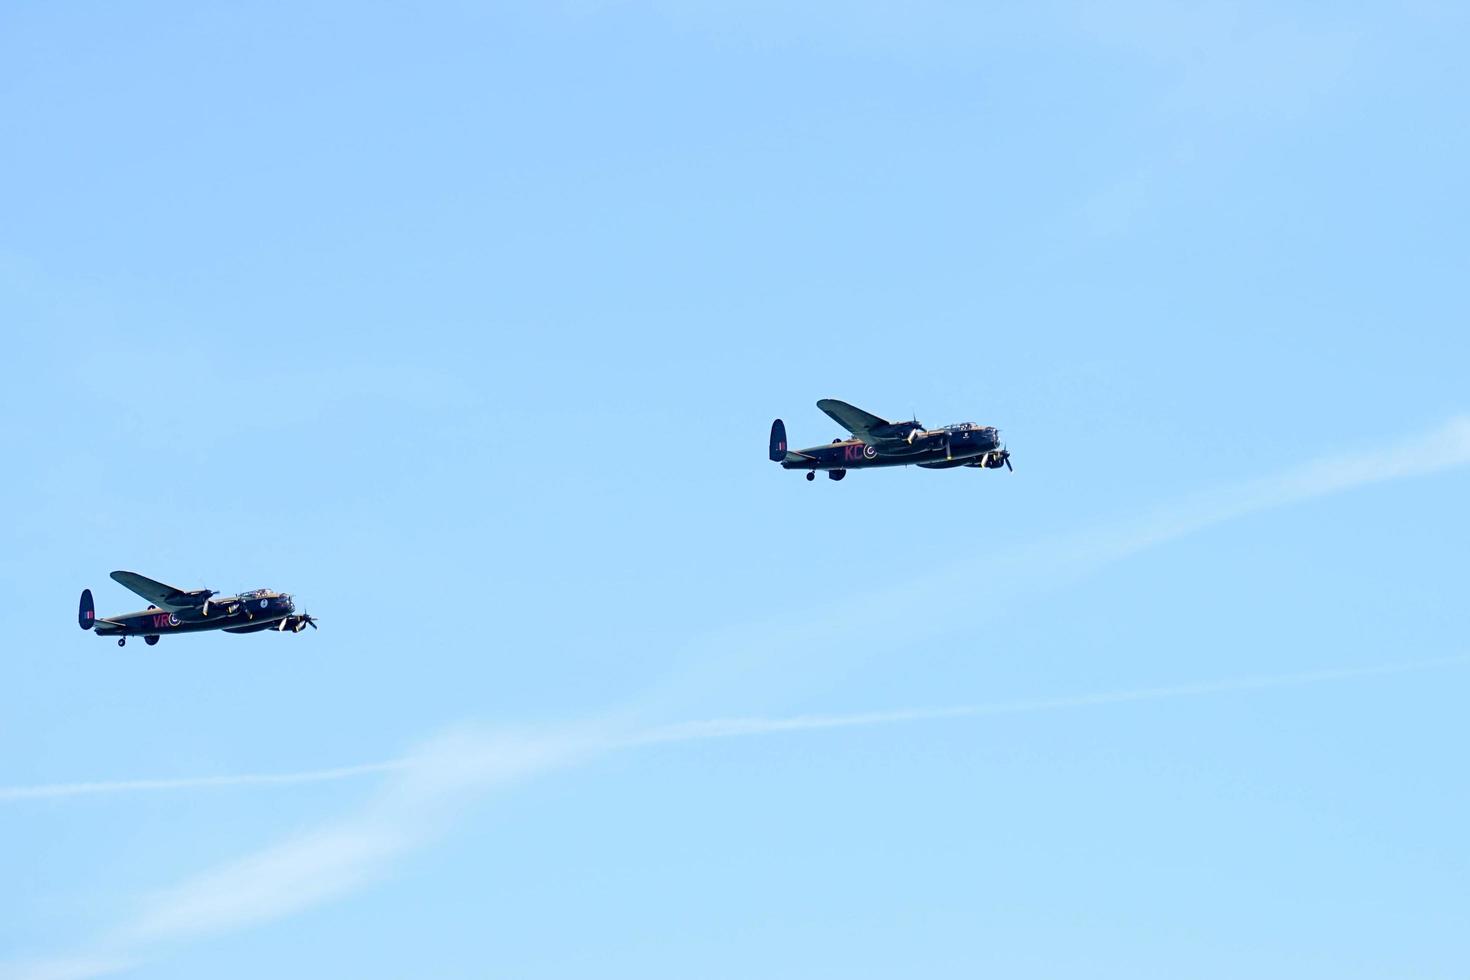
(173, 610)
(877, 442)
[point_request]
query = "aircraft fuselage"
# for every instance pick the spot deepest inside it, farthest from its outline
(261, 612)
(974, 446)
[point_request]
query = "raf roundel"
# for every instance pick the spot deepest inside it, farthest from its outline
(264, 603)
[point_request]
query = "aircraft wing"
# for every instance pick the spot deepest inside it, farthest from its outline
(866, 426)
(162, 596)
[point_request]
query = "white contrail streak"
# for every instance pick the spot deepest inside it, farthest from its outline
(736, 727)
(50, 791)
(431, 786)
(882, 616)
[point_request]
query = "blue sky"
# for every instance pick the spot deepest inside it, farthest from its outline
(465, 324)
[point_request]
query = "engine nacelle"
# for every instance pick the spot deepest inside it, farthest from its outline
(198, 599)
(995, 460)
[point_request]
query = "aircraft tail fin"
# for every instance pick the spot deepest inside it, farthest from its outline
(86, 612)
(778, 441)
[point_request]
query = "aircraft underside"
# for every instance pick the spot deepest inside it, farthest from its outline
(154, 625)
(837, 459)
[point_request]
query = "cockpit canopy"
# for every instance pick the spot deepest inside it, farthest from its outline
(970, 436)
(255, 594)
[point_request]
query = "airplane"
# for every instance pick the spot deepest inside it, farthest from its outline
(877, 442)
(172, 610)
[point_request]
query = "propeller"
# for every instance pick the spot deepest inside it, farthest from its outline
(993, 460)
(296, 623)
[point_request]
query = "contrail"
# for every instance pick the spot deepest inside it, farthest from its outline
(49, 791)
(871, 619)
(737, 727)
(432, 785)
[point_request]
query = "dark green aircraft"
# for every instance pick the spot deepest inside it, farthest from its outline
(178, 611)
(877, 442)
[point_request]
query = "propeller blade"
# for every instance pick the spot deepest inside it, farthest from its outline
(1009, 467)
